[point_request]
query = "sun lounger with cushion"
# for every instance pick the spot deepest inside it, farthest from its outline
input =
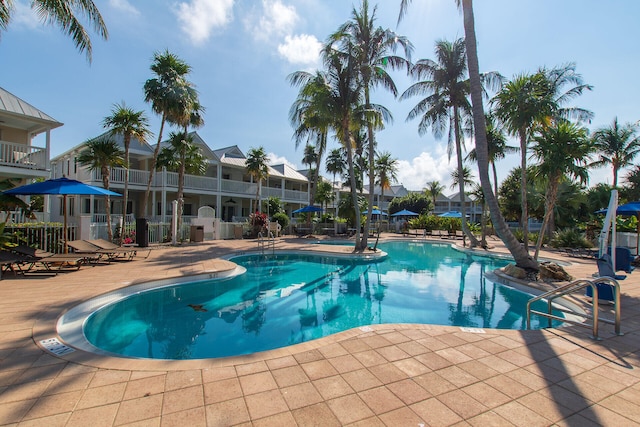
(10, 262)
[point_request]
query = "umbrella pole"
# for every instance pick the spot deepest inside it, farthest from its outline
(64, 211)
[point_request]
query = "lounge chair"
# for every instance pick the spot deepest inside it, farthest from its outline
(49, 260)
(10, 262)
(82, 247)
(114, 250)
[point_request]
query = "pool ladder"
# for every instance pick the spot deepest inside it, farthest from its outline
(266, 242)
(575, 286)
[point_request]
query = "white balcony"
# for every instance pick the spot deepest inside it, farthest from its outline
(23, 156)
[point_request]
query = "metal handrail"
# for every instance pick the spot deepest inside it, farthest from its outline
(575, 286)
(264, 242)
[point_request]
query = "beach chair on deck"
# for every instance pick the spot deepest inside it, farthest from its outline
(10, 262)
(84, 248)
(605, 268)
(114, 251)
(51, 263)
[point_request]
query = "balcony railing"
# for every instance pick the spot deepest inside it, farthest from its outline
(23, 156)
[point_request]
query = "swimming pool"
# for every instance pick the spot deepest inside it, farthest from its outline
(285, 299)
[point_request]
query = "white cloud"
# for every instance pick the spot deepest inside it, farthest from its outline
(23, 15)
(274, 159)
(275, 20)
(415, 174)
(198, 18)
(124, 6)
(301, 49)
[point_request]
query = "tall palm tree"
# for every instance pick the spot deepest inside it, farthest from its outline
(130, 124)
(497, 147)
(310, 118)
(387, 172)
(257, 165)
(335, 163)
(162, 92)
(374, 50)
(103, 154)
(65, 14)
(617, 146)
(446, 105)
(521, 256)
(434, 189)
(181, 155)
(562, 149)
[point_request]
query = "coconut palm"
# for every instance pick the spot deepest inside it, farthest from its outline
(182, 156)
(130, 124)
(335, 163)
(562, 149)
(446, 105)
(387, 171)
(433, 190)
(162, 92)
(496, 145)
(373, 49)
(257, 165)
(103, 154)
(617, 146)
(310, 118)
(324, 193)
(65, 14)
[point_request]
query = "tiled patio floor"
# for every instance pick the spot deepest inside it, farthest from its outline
(387, 375)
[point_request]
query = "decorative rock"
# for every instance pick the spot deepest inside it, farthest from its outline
(515, 271)
(550, 271)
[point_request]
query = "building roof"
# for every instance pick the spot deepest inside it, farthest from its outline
(19, 114)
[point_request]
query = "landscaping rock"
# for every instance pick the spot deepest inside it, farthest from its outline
(515, 272)
(550, 271)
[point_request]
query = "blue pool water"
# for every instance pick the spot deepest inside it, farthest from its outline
(288, 299)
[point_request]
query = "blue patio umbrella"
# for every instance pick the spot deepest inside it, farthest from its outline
(308, 208)
(375, 212)
(451, 214)
(64, 187)
(405, 212)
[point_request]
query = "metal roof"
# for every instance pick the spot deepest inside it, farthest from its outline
(19, 114)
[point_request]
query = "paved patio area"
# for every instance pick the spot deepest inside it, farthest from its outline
(384, 375)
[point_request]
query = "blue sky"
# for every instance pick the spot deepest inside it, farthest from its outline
(241, 52)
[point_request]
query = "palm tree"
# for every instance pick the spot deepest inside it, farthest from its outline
(257, 165)
(130, 124)
(446, 105)
(373, 49)
(324, 193)
(65, 15)
(181, 155)
(103, 154)
(335, 163)
(434, 189)
(563, 149)
(387, 171)
(617, 146)
(162, 92)
(520, 255)
(497, 147)
(310, 118)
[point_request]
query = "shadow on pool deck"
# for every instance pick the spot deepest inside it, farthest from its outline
(381, 375)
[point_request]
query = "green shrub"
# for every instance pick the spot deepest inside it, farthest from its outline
(281, 218)
(570, 238)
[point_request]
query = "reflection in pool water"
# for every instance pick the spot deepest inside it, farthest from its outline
(287, 299)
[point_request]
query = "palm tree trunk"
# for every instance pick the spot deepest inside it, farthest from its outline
(105, 183)
(352, 180)
(473, 242)
(520, 256)
(154, 161)
(549, 202)
(495, 178)
(483, 225)
(524, 216)
(372, 177)
(125, 196)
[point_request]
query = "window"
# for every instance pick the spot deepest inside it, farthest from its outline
(226, 176)
(187, 208)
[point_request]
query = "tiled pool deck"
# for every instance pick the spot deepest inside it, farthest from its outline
(388, 375)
